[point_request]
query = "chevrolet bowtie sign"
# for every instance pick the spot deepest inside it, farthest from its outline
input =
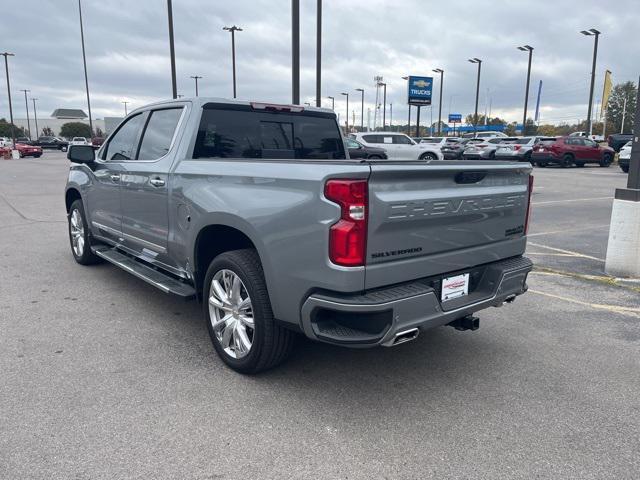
(419, 92)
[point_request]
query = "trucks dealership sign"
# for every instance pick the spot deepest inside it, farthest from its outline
(419, 90)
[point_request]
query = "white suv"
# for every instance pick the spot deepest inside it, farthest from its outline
(399, 146)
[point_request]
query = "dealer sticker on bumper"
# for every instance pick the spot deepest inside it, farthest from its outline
(454, 287)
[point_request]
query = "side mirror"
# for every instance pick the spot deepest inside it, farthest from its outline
(81, 154)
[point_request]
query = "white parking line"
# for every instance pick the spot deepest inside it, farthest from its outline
(631, 311)
(568, 230)
(569, 252)
(551, 202)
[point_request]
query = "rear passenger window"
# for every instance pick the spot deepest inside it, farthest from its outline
(241, 132)
(400, 140)
(159, 132)
(123, 144)
(372, 138)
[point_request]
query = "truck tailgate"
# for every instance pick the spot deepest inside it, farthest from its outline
(426, 220)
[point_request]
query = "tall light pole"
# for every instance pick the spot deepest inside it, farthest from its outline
(172, 51)
(196, 78)
(295, 52)
(361, 90)
(475, 115)
(391, 115)
(125, 108)
(6, 55)
(35, 116)
(384, 103)
(526, 48)
(84, 61)
(318, 53)
(347, 117)
(596, 34)
(26, 105)
(233, 31)
(408, 109)
(441, 72)
(333, 103)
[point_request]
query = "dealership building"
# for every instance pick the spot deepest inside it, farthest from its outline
(60, 116)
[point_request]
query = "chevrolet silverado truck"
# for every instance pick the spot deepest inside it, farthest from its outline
(257, 211)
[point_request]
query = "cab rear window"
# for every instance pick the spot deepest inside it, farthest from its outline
(238, 131)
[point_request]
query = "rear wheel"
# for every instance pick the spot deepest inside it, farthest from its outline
(541, 164)
(375, 157)
(606, 161)
(566, 161)
(238, 314)
(428, 156)
(625, 169)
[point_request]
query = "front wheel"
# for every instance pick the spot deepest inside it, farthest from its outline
(625, 169)
(238, 313)
(606, 161)
(566, 161)
(428, 156)
(79, 235)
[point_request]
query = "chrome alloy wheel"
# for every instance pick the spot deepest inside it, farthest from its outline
(77, 232)
(231, 313)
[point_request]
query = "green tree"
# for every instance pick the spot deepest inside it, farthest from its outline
(5, 129)
(47, 132)
(75, 129)
(616, 105)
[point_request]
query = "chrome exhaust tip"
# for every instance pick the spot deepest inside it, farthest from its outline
(405, 336)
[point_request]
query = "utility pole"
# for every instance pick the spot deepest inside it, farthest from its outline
(418, 121)
(408, 109)
(333, 103)
(172, 51)
(361, 90)
(624, 114)
(526, 48)
(391, 115)
(125, 108)
(233, 31)
(84, 61)
(26, 105)
(35, 116)
(6, 68)
(441, 72)
(295, 53)
(475, 115)
(196, 78)
(318, 53)
(384, 104)
(595, 33)
(347, 116)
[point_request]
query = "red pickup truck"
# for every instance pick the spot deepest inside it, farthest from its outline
(572, 150)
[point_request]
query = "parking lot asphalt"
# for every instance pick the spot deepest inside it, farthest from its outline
(105, 377)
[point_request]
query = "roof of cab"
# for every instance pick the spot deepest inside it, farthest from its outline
(199, 102)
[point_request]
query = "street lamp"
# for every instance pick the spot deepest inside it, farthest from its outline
(318, 52)
(233, 31)
(196, 78)
(35, 116)
(125, 108)
(6, 68)
(408, 109)
(333, 103)
(295, 52)
(441, 72)
(347, 118)
(172, 51)
(475, 115)
(596, 34)
(526, 48)
(84, 61)
(384, 103)
(361, 90)
(26, 105)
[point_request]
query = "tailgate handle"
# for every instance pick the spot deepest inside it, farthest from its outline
(470, 177)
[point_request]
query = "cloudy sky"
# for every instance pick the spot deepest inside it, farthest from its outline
(127, 51)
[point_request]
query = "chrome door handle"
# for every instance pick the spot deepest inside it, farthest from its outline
(157, 182)
(115, 178)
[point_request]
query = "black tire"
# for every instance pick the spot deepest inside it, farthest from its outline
(606, 161)
(492, 155)
(527, 157)
(625, 169)
(541, 164)
(375, 157)
(37, 155)
(580, 164)
(566, 161)
(270, 342)
(85, 256)
(428, 156)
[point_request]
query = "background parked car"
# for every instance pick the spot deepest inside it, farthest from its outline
(595, 138)
(97, 141)
(52, 142)
(485, 134)
(453, 150)
(23, 140)
(399, 146)
(484, 150)
(79, 141)
(28, 150)
(619, 140)
(624, 157)
(519, 150)
(566, 151)
(358, 150)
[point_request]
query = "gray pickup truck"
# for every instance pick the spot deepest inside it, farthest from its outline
(257, 211)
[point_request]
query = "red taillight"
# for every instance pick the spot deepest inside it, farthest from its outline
(517, 147)
(526, 222)
(348, 237)
(277, 107)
